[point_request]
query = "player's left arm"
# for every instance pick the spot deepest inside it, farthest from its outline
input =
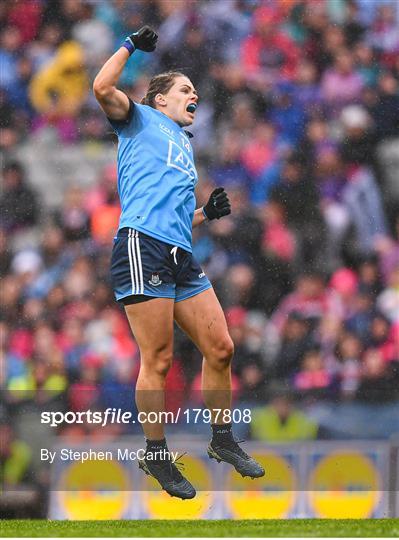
(217, 206)
(199, 217)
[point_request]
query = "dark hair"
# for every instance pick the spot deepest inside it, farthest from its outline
(160, 84)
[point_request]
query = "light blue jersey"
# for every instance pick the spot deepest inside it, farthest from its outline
(156, 176)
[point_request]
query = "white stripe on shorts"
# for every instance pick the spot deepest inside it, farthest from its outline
(139, 263)
(136, 269)
(129, 249)
(135, 264)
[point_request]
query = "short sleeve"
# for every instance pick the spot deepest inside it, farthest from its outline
(132, 124)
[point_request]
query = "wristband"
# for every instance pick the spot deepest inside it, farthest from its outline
(204, 214)
(128, 44)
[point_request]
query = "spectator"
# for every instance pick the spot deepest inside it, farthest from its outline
(341, 84)
(388, 300)
(311, 299)
(269, 55)
(287, 114)
(59, 89)
(346, 283)
(362, 314)
(278, 240)
(73, 345)
(73, 217)
(354, 29)
(331, 181)
(383, 34)
(5, 254)
(105, 208)
(295, 340)
(243, 118)
(349, 353)
(307, 90)
(362, 198)
(385, 111)
(377, 383)
(15, 457)
(280, 422)
(248, 365)
(229, 82)
(19, 496)
(11, 363)
(94, 36)
(296, 191)
(79, 281)
(241, 226)
(313, 379)
(240, 283)
(369, 274)
(193, 51)
(316, 141)
(378, 332)
(42, 51)
(366, 64)
(26, 16)
(333, 42)
(84, 394)
(357, 144)
(18, 203)
(45, 383)
(230, 170)
(10, 42)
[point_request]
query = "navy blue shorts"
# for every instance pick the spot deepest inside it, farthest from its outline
(142, 265)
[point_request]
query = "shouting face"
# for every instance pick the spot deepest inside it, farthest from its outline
(174, 103)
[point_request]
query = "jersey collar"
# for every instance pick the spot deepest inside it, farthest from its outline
(188, 133)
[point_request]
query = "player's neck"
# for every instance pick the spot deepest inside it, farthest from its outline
(171, 118)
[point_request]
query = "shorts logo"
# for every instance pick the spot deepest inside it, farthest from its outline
(173, 252)
(202, 274)
(155, 279)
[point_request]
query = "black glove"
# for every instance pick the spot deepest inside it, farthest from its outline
(144, 39)
(218, 204)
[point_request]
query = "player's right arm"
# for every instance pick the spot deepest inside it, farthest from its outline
(114, 102)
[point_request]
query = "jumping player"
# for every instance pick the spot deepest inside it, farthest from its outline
(154, 273)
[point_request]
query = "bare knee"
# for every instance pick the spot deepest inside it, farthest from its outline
(221, 355)
(158, 362)
(163, 365)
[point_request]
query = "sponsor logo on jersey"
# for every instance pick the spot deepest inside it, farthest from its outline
(179, 159)
(167, 130)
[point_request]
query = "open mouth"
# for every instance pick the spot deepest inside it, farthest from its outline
(191, 107)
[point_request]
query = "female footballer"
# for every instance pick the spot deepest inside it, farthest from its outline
(154, 273)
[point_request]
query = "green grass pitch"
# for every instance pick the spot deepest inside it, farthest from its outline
(203, 528)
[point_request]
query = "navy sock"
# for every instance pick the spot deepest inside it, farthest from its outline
(221, 433)
(156, 445)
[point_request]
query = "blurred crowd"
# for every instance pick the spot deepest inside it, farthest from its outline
(298, 120)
